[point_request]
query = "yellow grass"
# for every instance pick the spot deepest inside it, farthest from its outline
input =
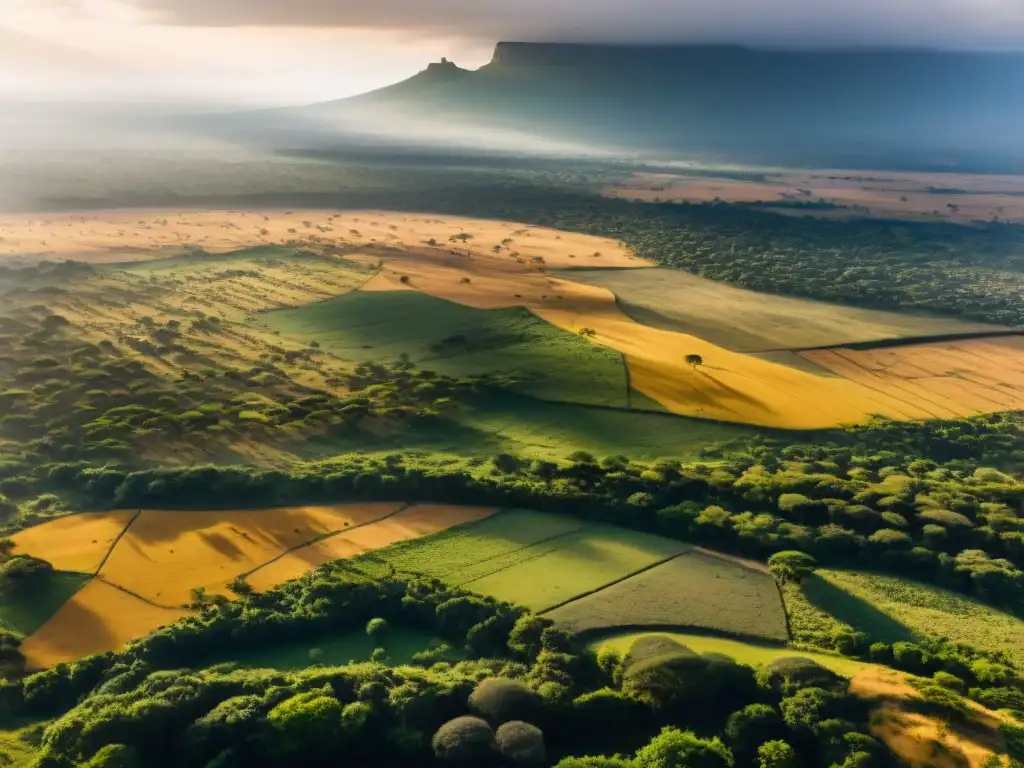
(164, 555)
(881, 193)
(98, 618)
(946, 379)
(127, 235)
(418, 520)
(75, 543)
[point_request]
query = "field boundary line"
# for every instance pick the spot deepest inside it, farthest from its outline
(613, 583)
(137, 596)
(116, 541)
(583, 527)
(907, 341)
(325, 537)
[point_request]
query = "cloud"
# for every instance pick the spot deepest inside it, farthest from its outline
(961, 23)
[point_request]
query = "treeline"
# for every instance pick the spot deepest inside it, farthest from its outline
(528, 696)
(852, 502)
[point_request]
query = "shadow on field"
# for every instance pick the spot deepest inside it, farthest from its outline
(860, 615)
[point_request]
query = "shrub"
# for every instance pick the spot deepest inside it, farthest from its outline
(501, 699)
(377, 630)
(788, 675)
(114, 756)
(753, 725)
(776, 754)
(521, 743)
(465, 741)
(673, 748)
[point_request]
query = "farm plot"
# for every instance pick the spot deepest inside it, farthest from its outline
(97, 618)
(461, 341)
(945, 379)
(693, 590)
(583, 561)
(451, 555)
(164, 555)
(23, 616)
(416, 521)
(892, 609)
(675, 300)
(76, 542)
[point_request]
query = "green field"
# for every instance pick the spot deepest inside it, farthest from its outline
(890, 609)
(451, 555)
(530, 558)
(400, 645)
(462, 341)
(23, 617)
(745, 653)
(693, 590)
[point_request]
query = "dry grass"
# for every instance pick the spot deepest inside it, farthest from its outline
(164, 555)
(75, 543)
(98, 618)
(944, 379)
(878, 193)
(130, 235)
(676, 300)
(411, 523)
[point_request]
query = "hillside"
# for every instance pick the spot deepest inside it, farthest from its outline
(805, 106)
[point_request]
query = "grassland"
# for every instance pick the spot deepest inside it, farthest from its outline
(76, 542)
(946, 379)
(533, 559)
(24, 616)
(694, 590)
(891, 609)
(149, 576)
(744, 652)
(675, 300)
(401, 644)
(462, 341)
(97, 618)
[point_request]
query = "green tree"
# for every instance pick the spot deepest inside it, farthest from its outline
(694, 360)
(791, 566)
(674, 748)
(776, 754)
(307, 724)
(377, 630)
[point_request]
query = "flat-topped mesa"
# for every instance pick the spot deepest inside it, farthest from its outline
(444, 70)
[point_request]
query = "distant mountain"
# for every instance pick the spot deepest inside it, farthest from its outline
(768, 105)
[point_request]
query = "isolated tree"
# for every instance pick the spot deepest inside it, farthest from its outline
(587, 333)
(377, 630)
(241, 587)
(432, 242)
(791, 566)
(694, 360)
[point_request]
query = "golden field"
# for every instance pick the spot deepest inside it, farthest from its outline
(504, 264)
(97, 618)
(74, 543)
(419, 520)
(163, 555)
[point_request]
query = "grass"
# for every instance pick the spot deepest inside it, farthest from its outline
(534, 559)
(453, 554)
(547, 575)
(456, 340)
(890, 609)
(400, 645)
(676, 300)
(186, 262)
(24, 616)
(752, 654)
(689, 591)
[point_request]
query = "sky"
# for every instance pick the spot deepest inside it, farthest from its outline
(300, 51)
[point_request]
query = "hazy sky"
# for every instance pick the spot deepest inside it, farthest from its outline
(294, 51)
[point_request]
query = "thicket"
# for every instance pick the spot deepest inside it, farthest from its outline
(527, 695)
